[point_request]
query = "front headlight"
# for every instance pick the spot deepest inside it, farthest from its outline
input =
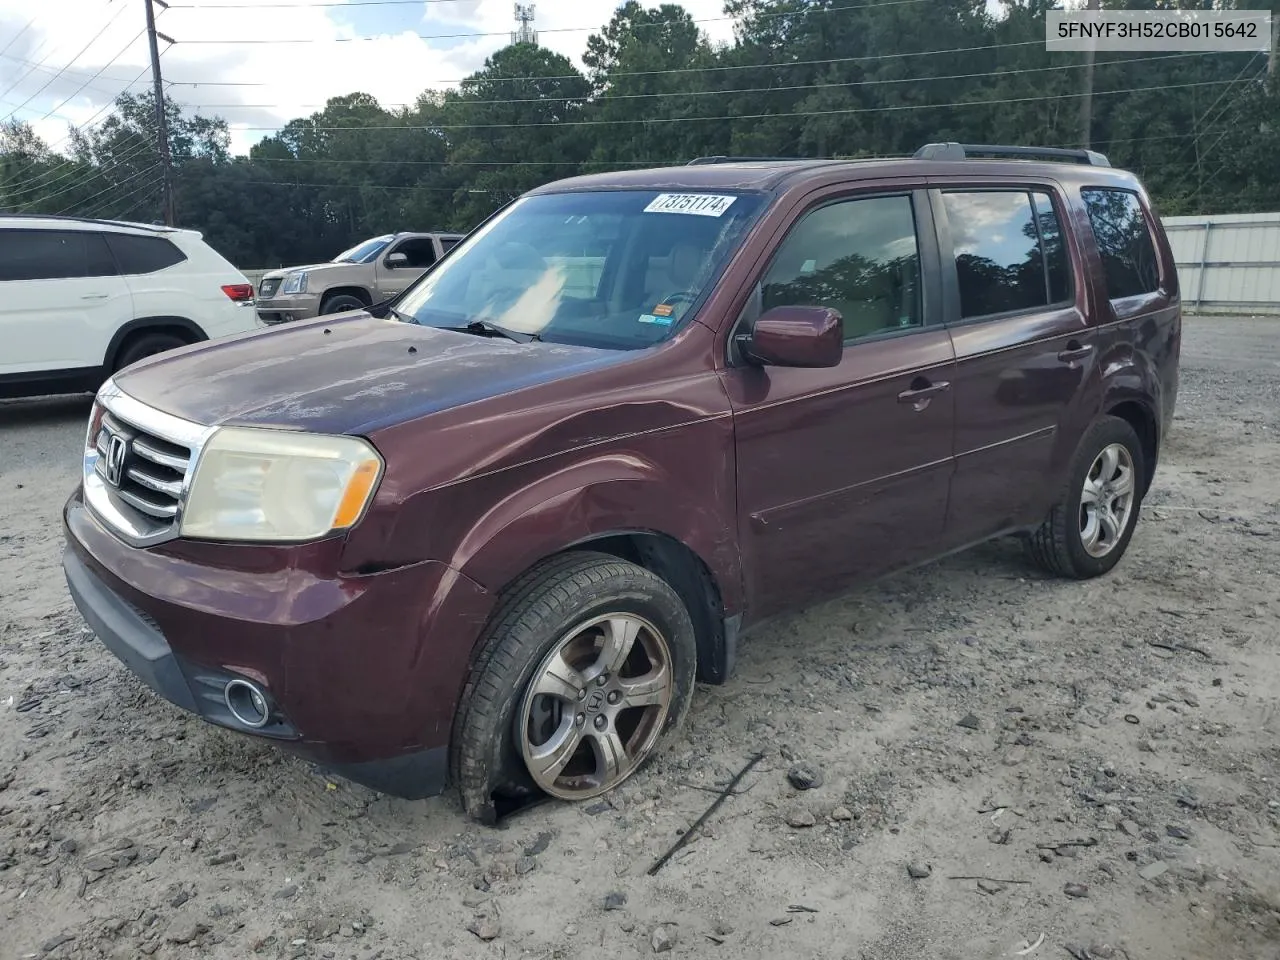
(295, 283)
(253, 484)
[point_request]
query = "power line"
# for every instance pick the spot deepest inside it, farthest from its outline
(44, 181)
(82, 86)
(17, 36)
(38, 65)
(115, 186)
(507, 33)
(94, 39)
(108, 204)
(672, 70)
(95, 172)
(733, 90)
(749, 116)
(305, 6)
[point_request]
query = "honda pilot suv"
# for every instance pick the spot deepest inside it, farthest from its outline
(488, 534)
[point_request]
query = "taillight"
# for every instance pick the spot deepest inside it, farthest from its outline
(239, 292)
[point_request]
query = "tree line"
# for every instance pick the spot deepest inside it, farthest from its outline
(802, 78)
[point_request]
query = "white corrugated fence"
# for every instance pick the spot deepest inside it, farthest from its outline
(1228, 263)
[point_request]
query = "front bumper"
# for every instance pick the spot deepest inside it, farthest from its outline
(283, 308)
(364, 672)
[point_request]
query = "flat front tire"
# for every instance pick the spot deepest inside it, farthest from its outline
(587, 664)
(1089, 528)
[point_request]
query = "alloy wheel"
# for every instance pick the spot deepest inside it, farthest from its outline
(1106, 500)
(596, 705)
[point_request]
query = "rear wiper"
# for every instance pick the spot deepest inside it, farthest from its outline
(488, 328)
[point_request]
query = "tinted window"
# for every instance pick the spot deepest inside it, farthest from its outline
(1000, 264)
(616, 269)
(364, 252)
(448, 243)
(53, 255)
(858, 257)
(1124, 242)
(137, 254)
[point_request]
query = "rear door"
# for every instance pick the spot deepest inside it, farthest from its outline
(1016, 307)
(843, 472)
(61, 300)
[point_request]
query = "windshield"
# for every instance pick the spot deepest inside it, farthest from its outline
(364, 252)
(617, 269)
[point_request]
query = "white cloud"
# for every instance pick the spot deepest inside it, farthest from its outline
(292, 77)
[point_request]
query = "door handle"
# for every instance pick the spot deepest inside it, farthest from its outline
(920, 395)
(1075, 352)
(95, 296)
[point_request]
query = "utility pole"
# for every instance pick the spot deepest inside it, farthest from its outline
(1086, 101)
(162, 124)
(1275, 35)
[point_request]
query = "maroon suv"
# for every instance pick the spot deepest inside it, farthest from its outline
(490, 532)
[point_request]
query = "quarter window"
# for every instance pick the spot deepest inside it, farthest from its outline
(1124, 242)
(138, 255)
(859, 257)
(53, 255)
(1009, 251)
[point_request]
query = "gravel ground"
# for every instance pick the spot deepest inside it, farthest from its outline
(1103, 755)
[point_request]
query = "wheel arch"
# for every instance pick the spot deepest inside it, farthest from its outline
(1141, 416)
(141, 326)
(346, 290)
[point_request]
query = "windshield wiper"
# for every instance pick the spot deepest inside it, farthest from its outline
(487, 328)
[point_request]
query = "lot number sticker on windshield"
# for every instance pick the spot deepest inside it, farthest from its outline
(699, 204)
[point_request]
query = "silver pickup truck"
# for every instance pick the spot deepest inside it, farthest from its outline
(367, 273)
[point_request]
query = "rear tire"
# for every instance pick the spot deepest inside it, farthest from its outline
(1089, 528)
(341, 303)
(623, 634)
(147, 345)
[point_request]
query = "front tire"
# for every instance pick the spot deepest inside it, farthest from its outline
(587, 664)
(341, 303)
(1089, 528)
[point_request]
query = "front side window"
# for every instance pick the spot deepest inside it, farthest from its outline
(619, 269)
(419, 252)
(1009, 251)
(1124, 242)
(859, 257)
(54, 255)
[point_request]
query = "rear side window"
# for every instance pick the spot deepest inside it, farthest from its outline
(1009, 250)
(53, 255)
(448, 243)
(859, 257)
(1124, 242)
(137, 254)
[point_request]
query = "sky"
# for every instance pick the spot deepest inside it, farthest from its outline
(392, 50)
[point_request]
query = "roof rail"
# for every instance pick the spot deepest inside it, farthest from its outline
(158, 227)
(700, 161)
(965, 151)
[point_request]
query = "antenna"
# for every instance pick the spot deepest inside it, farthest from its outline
(525, 32)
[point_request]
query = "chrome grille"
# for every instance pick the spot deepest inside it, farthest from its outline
(268, 286)
(138, 465)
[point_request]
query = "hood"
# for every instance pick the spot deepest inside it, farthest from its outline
(309, 268)
(354, 374)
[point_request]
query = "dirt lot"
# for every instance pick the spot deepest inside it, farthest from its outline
(1105, 754)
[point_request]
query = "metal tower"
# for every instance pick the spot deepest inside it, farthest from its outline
(525, 32)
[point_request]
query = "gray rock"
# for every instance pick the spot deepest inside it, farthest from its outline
(1178, 833)
(184, 928)
(525, 865)
(539, 844)
(53, 943)
(100, 863)
(485, 929)
(841, 814)
(1077, 890)
(1101, 951)
(805, 776)
(801, 819)
(615, 900)
(918, 871)
(220, 859)
(286, 893)
(990, 887)
(663, 939)
(1129, 828)
(1153, 870)
(970, 722)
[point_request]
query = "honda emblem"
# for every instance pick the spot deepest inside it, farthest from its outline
(117, 449)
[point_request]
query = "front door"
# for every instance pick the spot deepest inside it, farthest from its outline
(1023, 352)
(843, 472)
(419, 254)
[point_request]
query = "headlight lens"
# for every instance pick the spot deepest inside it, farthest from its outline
(295, 283)
(253, 484)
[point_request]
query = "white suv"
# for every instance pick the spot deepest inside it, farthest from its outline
(81, 299)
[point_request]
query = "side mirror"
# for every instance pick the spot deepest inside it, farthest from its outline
(796, 337)
(397, 260)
